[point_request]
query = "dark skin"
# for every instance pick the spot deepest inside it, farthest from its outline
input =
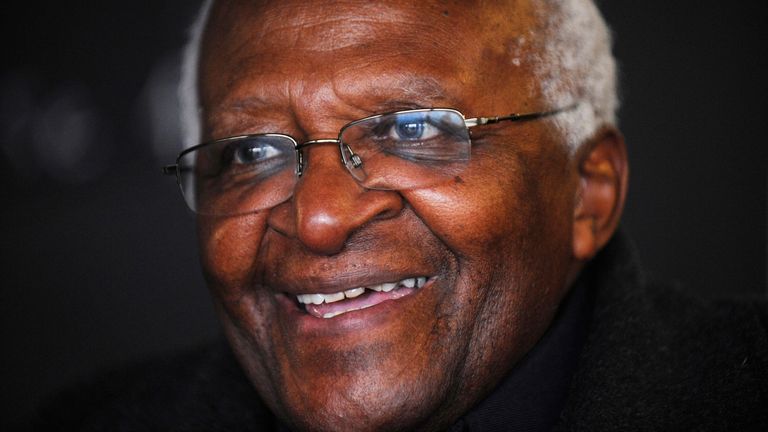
(500, 243)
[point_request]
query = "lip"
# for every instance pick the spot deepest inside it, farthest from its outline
(317, 284)
(303, 324)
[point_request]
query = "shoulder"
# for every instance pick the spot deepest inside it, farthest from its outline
(200, 389)
(661, 358)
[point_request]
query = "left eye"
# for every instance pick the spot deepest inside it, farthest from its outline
(250, 153)
(412, 128)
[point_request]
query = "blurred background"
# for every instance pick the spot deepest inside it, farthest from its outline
(99, 262)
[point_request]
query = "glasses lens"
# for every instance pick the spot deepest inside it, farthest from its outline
(407, 149)
(238, 175)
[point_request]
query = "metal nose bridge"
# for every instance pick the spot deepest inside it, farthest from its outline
(302, 146)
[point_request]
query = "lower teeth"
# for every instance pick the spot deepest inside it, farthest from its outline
(333, 314)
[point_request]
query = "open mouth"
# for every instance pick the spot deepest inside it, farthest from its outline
(332, 305)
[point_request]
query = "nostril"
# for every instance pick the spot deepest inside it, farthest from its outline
(389, 206)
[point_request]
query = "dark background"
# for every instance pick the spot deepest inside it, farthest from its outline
(99, 263)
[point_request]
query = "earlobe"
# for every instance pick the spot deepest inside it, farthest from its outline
(603, 174)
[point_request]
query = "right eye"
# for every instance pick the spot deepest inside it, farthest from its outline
(412, 127)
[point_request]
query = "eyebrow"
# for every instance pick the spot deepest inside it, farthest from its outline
(421, 88)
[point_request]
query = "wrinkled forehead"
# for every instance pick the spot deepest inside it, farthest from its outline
(323, 25)
(330, 25)
(313, 27)
(250, 47)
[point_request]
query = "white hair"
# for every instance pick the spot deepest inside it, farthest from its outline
(574, 63)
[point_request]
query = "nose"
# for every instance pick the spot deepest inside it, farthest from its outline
(328, 205)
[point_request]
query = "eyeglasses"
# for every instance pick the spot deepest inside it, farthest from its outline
(393, 151)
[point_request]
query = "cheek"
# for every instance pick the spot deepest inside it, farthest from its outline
(229, 248)
(472, 213)
(515, 196)
(508, 220)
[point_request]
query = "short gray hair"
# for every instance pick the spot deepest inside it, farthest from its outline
(574, 64)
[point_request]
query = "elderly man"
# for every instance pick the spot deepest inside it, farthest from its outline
(390, 248)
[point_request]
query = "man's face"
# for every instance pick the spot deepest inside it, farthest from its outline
(493, 244)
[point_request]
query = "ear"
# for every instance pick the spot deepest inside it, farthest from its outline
(603, 174)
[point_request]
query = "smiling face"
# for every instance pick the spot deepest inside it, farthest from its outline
(431, 294)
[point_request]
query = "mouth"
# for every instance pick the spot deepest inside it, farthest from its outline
(328, 306)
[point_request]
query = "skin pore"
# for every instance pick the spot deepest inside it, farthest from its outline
(498, 245)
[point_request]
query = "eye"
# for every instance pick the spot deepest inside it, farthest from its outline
(412, 127)
(253, 152)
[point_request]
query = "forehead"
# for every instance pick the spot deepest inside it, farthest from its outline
(329, 25)
(322, 25)
(261, 51)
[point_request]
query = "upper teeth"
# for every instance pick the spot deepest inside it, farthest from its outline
(354, 292)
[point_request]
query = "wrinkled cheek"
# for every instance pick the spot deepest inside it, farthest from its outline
(229, 249)
(228, 253)
(468, 223)
(248, 331)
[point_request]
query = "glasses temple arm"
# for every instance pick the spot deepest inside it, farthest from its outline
(479, 121)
